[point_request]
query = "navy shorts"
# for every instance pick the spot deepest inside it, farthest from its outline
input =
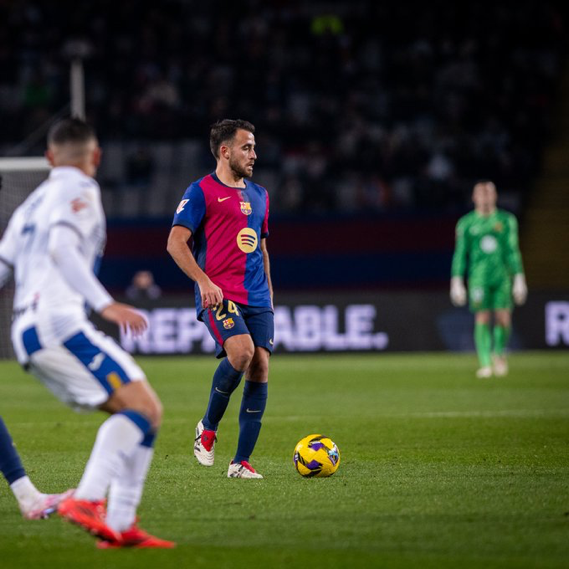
(232, 319)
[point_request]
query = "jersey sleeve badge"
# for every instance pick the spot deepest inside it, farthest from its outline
(181, 206)
(78, 204)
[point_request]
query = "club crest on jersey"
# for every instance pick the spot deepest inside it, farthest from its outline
(180, 207)
(228, 323)
(246, 208)
(498, 227)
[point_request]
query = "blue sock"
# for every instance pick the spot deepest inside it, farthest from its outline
(149, 438)
(252, 408)
(10, 463)
(225, 380)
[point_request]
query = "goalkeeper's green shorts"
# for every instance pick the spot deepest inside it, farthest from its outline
(497, 296)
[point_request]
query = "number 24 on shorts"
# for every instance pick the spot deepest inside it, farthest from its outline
(220, 313)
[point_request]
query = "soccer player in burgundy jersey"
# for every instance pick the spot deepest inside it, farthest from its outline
(227, 216)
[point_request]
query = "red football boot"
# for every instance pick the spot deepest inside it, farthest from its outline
(90, 516)
(138, 539)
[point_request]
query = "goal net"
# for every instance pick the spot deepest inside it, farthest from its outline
(18, 178)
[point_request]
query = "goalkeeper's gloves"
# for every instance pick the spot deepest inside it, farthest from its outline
(457, 291)
(520, 289)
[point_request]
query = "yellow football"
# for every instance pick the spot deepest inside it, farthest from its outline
(316, 456)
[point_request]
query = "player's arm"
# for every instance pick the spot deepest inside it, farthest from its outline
(264, 235)
(514, 262)
(64, 248)
(178, 248)
(457, 288)
(267, 265)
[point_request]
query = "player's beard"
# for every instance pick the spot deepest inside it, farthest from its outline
(238, 170)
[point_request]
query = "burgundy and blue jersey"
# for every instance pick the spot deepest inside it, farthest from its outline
(227, 226)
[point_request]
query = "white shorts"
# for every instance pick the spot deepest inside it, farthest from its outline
(84, 370)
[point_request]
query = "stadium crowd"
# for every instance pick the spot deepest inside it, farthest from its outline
(359, 105)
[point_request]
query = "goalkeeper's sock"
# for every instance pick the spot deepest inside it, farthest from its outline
(482, 339)
(501, 335)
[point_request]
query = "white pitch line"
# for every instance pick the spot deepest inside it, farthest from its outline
(514, 413)
(522, 413)
(504, 413)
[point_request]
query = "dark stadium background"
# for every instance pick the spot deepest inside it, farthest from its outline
(374, 120)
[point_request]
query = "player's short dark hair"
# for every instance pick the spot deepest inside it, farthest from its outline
(224, 131)
(71, 130)
(483, 182)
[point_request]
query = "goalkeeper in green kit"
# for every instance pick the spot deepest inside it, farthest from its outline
(487, 241)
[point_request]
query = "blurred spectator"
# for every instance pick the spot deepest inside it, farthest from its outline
(140, 166)
(415, 101)
(143, 287)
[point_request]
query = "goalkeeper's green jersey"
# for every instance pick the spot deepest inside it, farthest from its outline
(489, 246)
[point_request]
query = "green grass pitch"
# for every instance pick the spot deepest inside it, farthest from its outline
(439, 469)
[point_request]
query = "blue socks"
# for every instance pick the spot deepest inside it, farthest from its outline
(252, 408)
(10, 463)
(225, 380)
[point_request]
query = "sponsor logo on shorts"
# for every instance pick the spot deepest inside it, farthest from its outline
(114, 380)
(96, 362)
(228, 323)
(477, 295)
(271, 342)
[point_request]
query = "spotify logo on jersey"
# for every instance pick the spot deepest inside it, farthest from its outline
(247, 240)
(488, 244)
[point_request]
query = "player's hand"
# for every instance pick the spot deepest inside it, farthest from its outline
(126, 317)
(212, 295)
(457, 291)
(520, 289)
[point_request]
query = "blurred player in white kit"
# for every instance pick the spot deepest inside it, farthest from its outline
(53, 244)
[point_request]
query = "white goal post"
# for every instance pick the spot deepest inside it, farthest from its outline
(19, 176)
(24, 163)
